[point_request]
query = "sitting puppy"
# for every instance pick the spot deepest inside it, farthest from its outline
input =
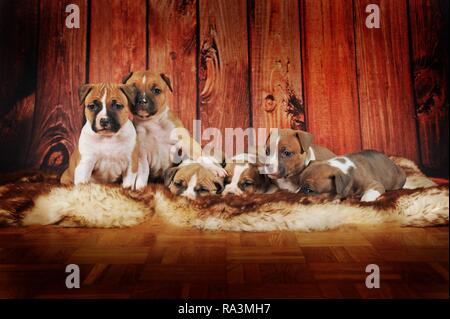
(191, 179)
(244, 177)
(107, 149)
(368, 174)
(161, 134)
(289, 153)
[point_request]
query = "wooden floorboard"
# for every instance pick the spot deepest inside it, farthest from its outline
(155, 260)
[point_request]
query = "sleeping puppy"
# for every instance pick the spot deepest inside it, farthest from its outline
(164, 142)
(108, 149)
(289, 152)
(192, 180)
(244, 177)
(366, 174)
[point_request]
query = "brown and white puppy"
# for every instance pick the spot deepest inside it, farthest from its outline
(366, 174)
(164, 142)
(108, 147)
(193, 180)
(289, 152)
(244, 177)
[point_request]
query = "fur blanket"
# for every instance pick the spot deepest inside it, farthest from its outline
(36, 199)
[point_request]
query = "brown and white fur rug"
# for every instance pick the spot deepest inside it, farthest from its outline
(37, 199)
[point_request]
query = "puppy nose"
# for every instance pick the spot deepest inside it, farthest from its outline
(142, 100)
(104, 122)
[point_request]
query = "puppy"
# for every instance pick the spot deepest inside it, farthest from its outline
(192, 180)
(289, 152)
(164, 141)
(366, 174)
(108, 147)
(244, 177)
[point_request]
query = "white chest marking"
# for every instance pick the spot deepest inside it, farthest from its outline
(189, 192)
(156, 142)
(286, 184)
(110, 156)
(343, 163)
(370, 195)
(233, 187)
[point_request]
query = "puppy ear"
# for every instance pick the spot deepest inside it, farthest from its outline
(343, 183)
(83, 91)
(169, 174)
(305, 139)
(167, 80)
(127, 77)
(130, 91)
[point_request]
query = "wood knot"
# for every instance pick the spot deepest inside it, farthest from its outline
(269, 103)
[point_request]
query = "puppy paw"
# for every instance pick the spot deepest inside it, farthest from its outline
(220, 171)
(140, 184)
(370, 195)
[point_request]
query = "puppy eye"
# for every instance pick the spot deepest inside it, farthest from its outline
(247, 183)
(117, 106)
(91, 106)
(305, 189)
(156, 90)
(202, 189)
(178, 183)
(287, 153)
(267, 151)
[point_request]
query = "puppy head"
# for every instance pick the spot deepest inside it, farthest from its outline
(322, 178)
(152, 91)
(192, 181)
(287, 152)
(106, 106)
(244, 179)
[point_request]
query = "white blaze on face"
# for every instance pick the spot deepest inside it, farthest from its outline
(103, 100)
(233, 187)
(189, 192)
(343, 163)
(144, 81)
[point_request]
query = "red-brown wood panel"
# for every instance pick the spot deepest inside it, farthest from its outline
(385, 88)
(330, 84)
(223, 73)
(18, 79)
(117, 39)
(61, 68)
(429, 20)
(172, 50)
(276, 82)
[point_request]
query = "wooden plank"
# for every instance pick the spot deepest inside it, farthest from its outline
(61, 69)
(223, 64)
(117, 39)
(429, 21)
(172, 50)
(276, 87)
(18, 78)
(331, 95)
(384, 81)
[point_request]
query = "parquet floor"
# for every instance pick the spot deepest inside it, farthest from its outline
(155, 260)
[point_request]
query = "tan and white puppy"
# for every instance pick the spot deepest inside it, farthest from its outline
(164, 142)
(108, 147)
(244, 177)
(366, 174)
(289, 152)
(193, 180)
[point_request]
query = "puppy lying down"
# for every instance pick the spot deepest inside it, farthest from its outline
(193, 179)
(244, 177)
(366, 174)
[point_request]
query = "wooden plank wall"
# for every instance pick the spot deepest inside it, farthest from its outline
(305, 64)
